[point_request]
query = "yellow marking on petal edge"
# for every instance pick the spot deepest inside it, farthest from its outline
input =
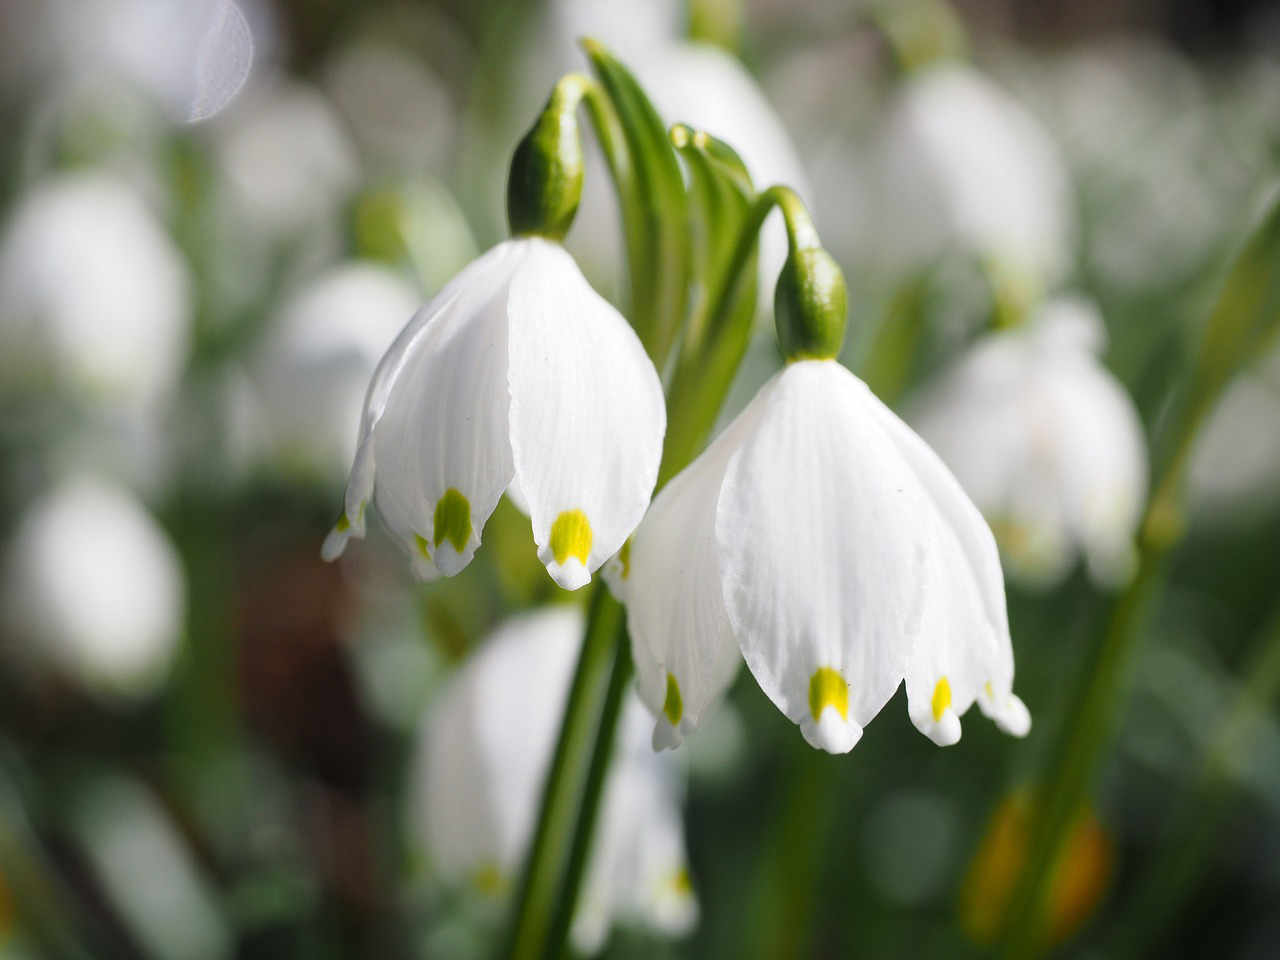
(681, 882)
(343, 524)
(624, 558)
(489, 879)
(828, 689)
(941, 699)
(424, 548)
(453, 520)
(673, 705)
(987, 687)
(571, 536)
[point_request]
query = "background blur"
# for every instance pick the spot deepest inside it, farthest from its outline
(212, 223)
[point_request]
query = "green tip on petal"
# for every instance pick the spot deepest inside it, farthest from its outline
(452, 520)
(673, 705)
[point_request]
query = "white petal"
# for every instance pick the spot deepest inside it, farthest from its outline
(822, 531)
(587, 415)
(437, 416)
(964, 643)
(486, 744)
(681, 640)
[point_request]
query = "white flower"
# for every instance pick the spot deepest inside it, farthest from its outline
(1046, 442)
(96, 587)
(318, 356)
(824, 542)
(964, 166)
(485, 748)
(517, 375)
(94, 295)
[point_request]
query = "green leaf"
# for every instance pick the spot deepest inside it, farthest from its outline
(719, 327)
(654, 208)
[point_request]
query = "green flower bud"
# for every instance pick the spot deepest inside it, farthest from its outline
(809, 305)
(545, 182)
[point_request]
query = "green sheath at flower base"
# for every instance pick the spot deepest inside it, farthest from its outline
(544, 185)
(811, 299)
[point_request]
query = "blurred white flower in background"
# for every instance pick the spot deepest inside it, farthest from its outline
(399, 110)
(95, 588)
(193, 56)
(142, 866)
(1234, 477)
(316, 359)
(1047, 443)
(486, 743)
(286, 161)
(93, 293)
(964, 167)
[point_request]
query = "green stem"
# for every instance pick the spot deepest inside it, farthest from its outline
(1195, 825)
(593, 792)
(565, 797)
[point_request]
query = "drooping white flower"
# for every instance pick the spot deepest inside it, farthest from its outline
(1047, 443)
(94, 295)
(317, 358)
(96, 588)
(517, 374)
(485, 748)
(964, 166)
(820, 539)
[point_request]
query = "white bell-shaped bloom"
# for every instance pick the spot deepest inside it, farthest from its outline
(964, 166)
(819, 538)
(485, 748)
(1047, 443)
(94, 295)
(96, 589)
(317, 358)
(518, 374)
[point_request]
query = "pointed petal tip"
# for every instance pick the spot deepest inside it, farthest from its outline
(570, 575)
(665, 736)
(1013, 717)
(832, 732)
(944, 732)
(335, 544)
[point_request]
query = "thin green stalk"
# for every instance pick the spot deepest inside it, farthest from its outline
(1243, 322)
(564, 797)
(1196, 824)
(575, 870)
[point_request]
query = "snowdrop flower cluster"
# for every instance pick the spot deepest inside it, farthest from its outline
(95, 589)
(965, 167)
(1046, 442)
(518, 375)
(822, 541)
(94, 294)
(485, 748)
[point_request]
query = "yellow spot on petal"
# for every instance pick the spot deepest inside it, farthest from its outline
(987, 687)
(828, 689)
(571, 536)
(681, 882)
(343, 524)
(424, 548)
(673, 706)
(941, 699)
(453, 520)
(489, 879)
(624, 558)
